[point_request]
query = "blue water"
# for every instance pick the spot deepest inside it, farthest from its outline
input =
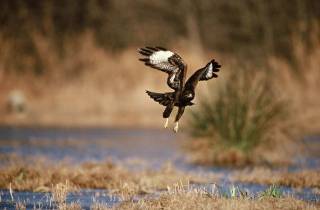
(41, 200)
(91, 144)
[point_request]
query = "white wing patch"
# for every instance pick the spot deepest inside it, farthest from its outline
(160, 57)
(209, 71)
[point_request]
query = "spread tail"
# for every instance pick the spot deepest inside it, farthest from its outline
(162, 98)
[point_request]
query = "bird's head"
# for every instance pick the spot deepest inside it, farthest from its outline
(190, 103)
(188, 95)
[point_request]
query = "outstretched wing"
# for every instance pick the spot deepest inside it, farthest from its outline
(206, 73)
(166, 61)
(162, 98)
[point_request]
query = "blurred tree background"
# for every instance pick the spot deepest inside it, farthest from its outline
(244, 29)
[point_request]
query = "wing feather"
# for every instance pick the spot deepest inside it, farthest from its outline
(167, 61)
(158, 59)
(210, 70)
(162, 98)
(205, 73)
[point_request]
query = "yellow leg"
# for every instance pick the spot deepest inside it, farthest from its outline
(166, 123)
(176, 127)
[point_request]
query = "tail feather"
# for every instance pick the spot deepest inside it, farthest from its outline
(162, 98)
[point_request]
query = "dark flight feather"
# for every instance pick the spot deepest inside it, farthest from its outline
(162, 98)
(204, 73)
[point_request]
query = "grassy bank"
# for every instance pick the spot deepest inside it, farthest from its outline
(181, 198)
(196, 200)
(40, 175)
(166, 188)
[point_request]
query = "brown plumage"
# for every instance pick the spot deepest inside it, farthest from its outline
(184, 92)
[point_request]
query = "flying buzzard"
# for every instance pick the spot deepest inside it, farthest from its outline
(184, 92)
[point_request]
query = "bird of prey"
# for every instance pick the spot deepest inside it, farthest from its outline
(183, 92)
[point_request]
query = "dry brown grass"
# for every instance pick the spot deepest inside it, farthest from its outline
(181, 196)
(42, 176)
(59, 196)
(87, 87)
(204, 152)
(304, 178)
(174, 186)
(198, 200)
(301, 88)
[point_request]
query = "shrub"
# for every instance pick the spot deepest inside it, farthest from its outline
(245, 111)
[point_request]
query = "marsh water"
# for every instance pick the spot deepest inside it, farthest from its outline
(150, 148)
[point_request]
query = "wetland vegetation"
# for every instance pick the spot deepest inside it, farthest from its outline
(77, 130)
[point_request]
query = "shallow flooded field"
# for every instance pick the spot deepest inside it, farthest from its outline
(43, 200)
(135, 150)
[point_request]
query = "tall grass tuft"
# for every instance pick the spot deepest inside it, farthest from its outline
(244, 112)
(273, 191)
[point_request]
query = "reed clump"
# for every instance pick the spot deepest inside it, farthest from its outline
(245, 113)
